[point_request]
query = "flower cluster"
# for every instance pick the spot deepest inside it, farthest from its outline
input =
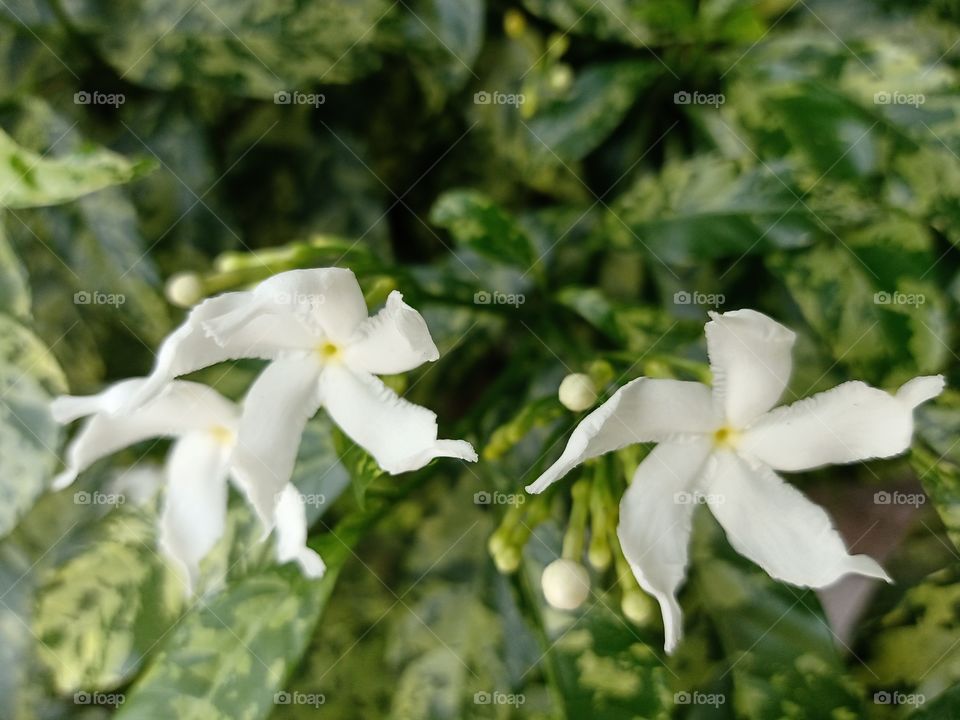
(726, 444)
(723, 443)
(324, 350)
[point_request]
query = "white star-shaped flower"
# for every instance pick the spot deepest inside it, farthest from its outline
(325, 351)
(725, 445)
(204, 425)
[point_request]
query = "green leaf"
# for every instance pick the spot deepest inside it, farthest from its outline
(836, 296)
(250, 48)
(442, 39)
(29, 437)
(102, 611)
(913, 647)
(475, 221)
(946, 706)
(573, 125)
(14, 284)
(31, 180)
(231, 654)
(633, 22)
(778, 646)
(709, 207)
(937, 463)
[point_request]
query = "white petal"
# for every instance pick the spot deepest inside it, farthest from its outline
(394, 340)
(195, 504)
(275, 411)
(775, 526)
(644, 410)
(920, 389)
(291, 528)
(181, 408)
(851, 422)
(750, 359)
(655, 519)
(399, 435)
(327, 300)
(190, 347)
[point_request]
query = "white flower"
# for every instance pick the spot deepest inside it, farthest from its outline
(204, 425)
(725, 444)
(325, 351)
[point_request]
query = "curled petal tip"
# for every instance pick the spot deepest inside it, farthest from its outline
(64, 480)
(311, 564)
(456, 449)
(920, 389)
(867, 566)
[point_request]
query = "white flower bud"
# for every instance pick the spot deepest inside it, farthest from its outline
(184, 289)
(637, 607)
(566, 584)
(577, 392)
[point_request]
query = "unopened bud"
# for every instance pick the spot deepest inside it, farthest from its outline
(514, 23)
(577, 392)
(561, 77)
(184, 289)
(507, 559)
(598, 552)
(565, 583)
(637, 607)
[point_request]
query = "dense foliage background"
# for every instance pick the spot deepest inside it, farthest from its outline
(559, 186)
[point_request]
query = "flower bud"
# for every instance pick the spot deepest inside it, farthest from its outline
(507, 559)
(577, 392)
(514, 23)
(637, 607)
(184, 289)
(565, 583)
(561, 77)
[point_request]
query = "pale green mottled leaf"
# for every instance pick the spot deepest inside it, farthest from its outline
(572, 125)
(14, 287)
(475, 221)
(29, 438)
(252, 48)
(31, 180)
(710, 207)
(102, 611)
(231, 654)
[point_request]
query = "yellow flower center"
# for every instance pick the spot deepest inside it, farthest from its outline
(329, 352)
(726, 437)
(222, 434)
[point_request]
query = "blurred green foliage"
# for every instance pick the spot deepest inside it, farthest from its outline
(559, 186)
